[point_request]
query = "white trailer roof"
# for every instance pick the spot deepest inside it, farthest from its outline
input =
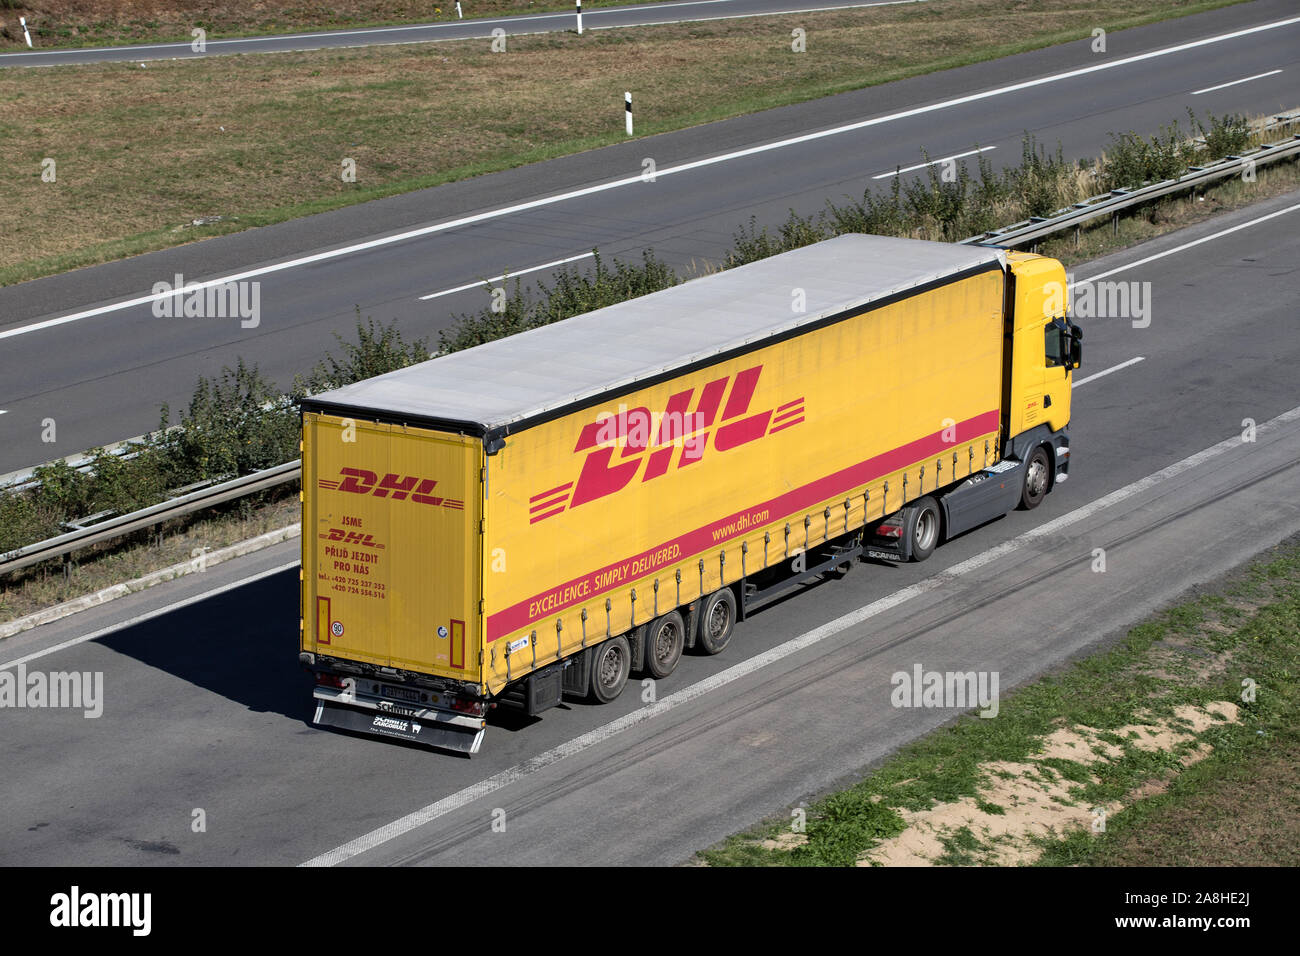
(560, 365)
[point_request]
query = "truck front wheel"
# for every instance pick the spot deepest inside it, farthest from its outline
(611, 662)
(922, 526)
(1038, 473)
(717, 620)
(665, 639)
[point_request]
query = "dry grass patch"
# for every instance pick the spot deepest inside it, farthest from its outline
(1020, 804)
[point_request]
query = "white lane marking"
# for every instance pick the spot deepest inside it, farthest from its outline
(508, 275)
(590, 739)
(1113, 368)
(565, 17)
(630, 180)
(1224, 86)
(934, 162)
(140, 619)
(1189, 245)
(3, 412)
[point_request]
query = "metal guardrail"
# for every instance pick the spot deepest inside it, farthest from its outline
(1120, 200)
(65, 544)
(1029, 231)
(25, 479)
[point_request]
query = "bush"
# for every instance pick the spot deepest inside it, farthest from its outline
(236, 423)
(378, 349)
(575, 291)
(24, 521)
(1227, 135)
(1040, 182)
(1131, 161)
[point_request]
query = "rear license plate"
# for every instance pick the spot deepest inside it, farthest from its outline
(407, 694)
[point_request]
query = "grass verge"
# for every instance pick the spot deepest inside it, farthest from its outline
(1176, 747)
(139, 155)
(83, 23)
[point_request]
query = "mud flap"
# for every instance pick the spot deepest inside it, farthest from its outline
(428, 733)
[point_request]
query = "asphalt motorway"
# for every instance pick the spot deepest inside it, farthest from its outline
(593, 18)
(205, 708)
(87, 350)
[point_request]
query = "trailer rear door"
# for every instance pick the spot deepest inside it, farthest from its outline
(392, 562)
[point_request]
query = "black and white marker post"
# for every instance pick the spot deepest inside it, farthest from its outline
(26, 35)
(459, 15)
(627, 105)
(579, 2)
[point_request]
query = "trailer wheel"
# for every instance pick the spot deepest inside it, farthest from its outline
(611, 662)
(717, 620)
(1037, 474)
(665, 638)
(922, 528)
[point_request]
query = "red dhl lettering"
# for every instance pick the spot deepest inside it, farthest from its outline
(359, 481)
(654, 447)
(350, 537)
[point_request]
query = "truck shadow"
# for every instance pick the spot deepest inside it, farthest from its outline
(241, 644)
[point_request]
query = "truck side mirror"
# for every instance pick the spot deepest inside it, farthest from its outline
(1076, 344)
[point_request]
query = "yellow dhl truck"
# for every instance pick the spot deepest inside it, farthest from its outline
(548, 513)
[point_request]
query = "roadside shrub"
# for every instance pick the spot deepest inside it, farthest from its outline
(1227, 135)
(1132, 160)
(24, 521)
(574, 292)
(236, 423)
(378, 349)
(63, 491)
(1042, 182)
(128, 484)
(872, 214)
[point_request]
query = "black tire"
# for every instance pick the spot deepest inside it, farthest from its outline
(611, 663)
(717, 621)
(922, 527)
(665, 639)
(1038, 478)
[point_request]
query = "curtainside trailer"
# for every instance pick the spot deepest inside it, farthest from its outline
(548, 513)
